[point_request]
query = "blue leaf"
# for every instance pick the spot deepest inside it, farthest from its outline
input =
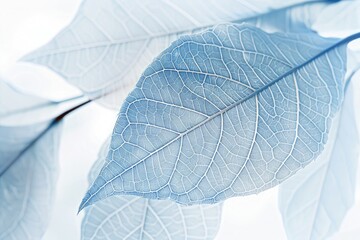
(28, 185)
(16, 132)
(228, 112)
(314, 202)
(130, 217)
(23, 118)
(14, 139)
(109, 43)
(29, 144)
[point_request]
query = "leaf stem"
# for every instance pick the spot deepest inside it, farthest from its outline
(62, 115)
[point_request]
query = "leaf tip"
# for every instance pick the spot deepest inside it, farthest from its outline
(84, 203)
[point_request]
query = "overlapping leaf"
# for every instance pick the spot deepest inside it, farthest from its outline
(298, 18)
(29, 145)
(27, 188)
(328, 20)
(11, 134)
(28, 166)
(129, 217)
(314, 202)
(231, 111)
(110, 43)
(21, 109)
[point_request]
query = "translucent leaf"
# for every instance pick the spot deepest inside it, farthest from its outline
(44, 82)
(11, 133)
(347, 11)
(29, 144)
(130, 217)
(18, 109)
(227, 112)
(297, 18)
(27, 187)
(23, 118)
(109, 43)
(314, 202)
(23, 102)
(327, 25)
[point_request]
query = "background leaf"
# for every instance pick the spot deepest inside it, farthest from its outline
(7, 104)
(231, 111)
(296, 18)
(347, 11)
(23, 118)
(38, 80)
(27, 188)
(315, 201)
(327, 25)
(18, 109)
(129, 217)
(109, 43)
(29, 144)
(14, 137)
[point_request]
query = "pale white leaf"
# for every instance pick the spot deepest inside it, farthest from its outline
(339, 19)
(315, 201)
(20, 109)
(28, 186)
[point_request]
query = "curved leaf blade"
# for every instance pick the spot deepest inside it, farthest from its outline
(29, 145)
(110, 43)
(231, 111)
(150, 219)
(27, 188)
(325, 190)
(15, 137)
(23, 118)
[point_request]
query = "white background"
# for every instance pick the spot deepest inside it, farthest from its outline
(26, 25)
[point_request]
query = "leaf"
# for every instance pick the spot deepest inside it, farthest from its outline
(29, 145)
(326, 25)
(314, 202)
(347, 11)
(44, 82)
(26, 102)
(27, 187)
(109, 43)
(23, 118)
(20, 109)
(18, 137)
(129, 217)
(296, 18)
(228, 112)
